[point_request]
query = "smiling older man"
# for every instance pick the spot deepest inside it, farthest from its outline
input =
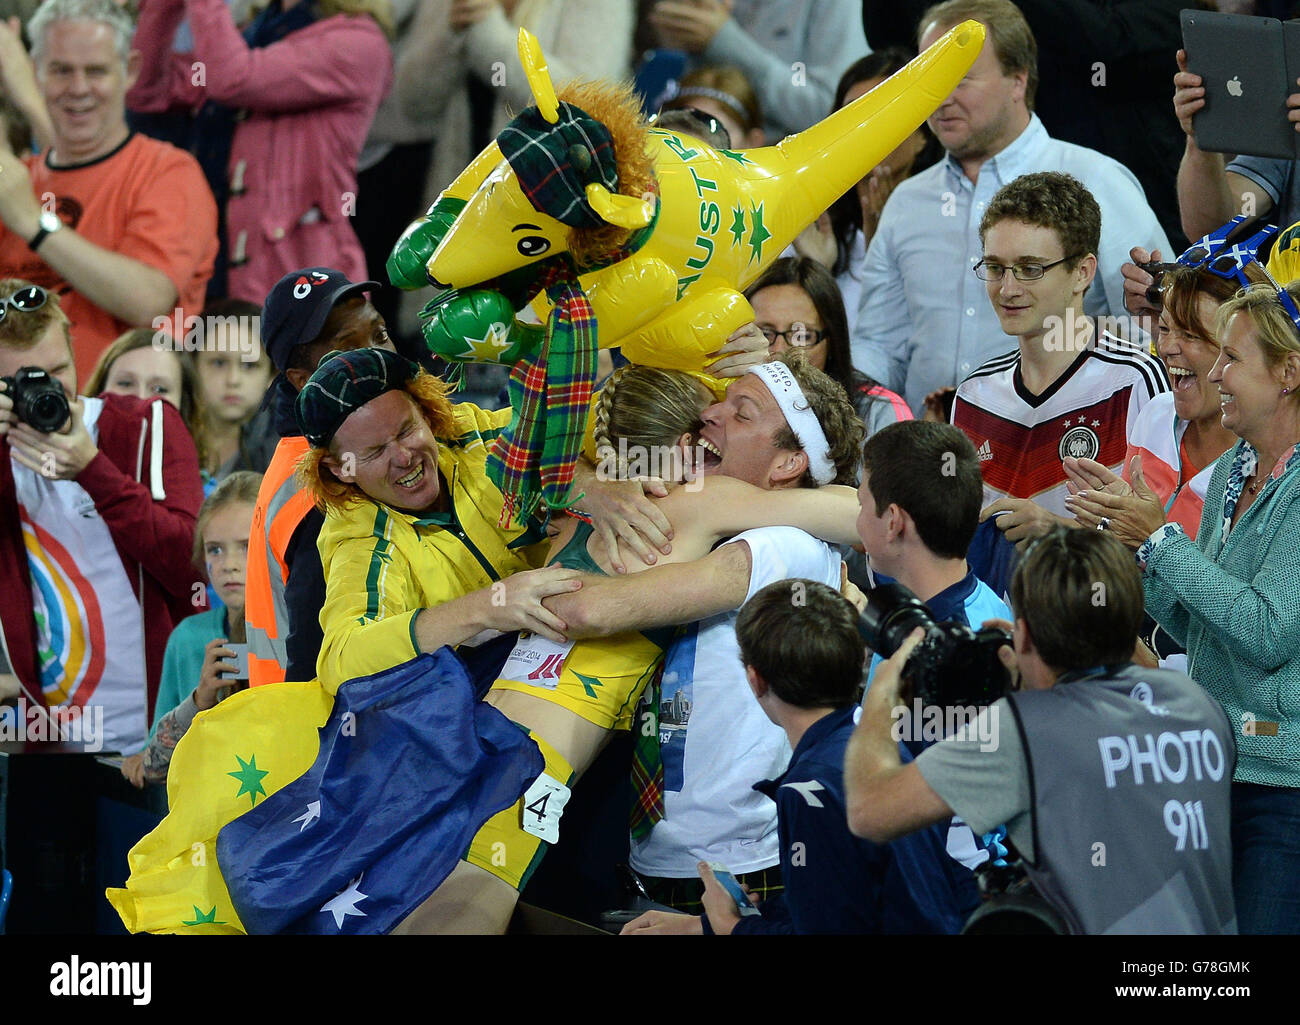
(123, 227)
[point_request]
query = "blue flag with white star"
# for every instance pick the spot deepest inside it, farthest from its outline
(410, 767)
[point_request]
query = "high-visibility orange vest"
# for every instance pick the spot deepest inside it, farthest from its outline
(281, 506)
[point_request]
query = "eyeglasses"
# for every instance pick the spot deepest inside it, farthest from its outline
(24, 300)
(796, 336)
(986, 271)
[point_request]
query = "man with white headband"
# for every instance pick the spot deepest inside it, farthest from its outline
(782, 425)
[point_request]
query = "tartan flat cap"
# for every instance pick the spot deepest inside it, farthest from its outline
(342, 384)
(556, 162)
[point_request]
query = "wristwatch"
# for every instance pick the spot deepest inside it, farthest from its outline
(49, 223)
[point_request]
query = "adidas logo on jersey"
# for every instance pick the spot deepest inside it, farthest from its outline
(985, 451)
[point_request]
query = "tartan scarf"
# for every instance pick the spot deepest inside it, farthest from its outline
(647, 763)
(550, 392)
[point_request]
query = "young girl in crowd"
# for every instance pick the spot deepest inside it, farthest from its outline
(231, 372)
(725, 94)
(135, 365)
(197, 650)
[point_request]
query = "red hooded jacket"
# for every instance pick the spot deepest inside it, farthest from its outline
(154, 536)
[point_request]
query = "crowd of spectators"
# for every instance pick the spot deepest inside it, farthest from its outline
(257, 477)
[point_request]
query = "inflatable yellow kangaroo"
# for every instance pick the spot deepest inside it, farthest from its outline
(641, 238)
(718, 219)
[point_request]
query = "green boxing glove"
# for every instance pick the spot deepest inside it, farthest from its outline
(478, 326)
(411, 255)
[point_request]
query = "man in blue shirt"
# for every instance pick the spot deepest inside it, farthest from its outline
(803, 655)
(920, 495)
(924, 322)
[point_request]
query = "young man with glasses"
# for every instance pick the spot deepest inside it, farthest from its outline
(96, 535)
(922, 325)
(1068, 389)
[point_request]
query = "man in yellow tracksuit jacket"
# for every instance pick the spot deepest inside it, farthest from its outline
(385, 565)
(412, 553)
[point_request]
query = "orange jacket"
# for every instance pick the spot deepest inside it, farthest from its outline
(281, 506)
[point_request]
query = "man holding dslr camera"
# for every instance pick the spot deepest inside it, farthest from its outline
(1113, 779)
(98, 499)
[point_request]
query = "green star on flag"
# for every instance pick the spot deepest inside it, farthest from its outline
(250, 778)
(200, 918)
(737, 228)
(758, 234)
(739, 158)
(589, 684)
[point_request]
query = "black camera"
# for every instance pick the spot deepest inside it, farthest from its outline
(38, 399)
(1010, 905)
(953, 665)
(1157, 270)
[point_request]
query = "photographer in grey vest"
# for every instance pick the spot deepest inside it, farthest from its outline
(1113, 780)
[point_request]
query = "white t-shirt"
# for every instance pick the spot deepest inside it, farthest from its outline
(90, 637)
(715, 740)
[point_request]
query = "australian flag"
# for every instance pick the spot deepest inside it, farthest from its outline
(410, 767)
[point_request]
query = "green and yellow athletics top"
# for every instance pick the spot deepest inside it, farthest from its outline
(383, 566)
(600, 679)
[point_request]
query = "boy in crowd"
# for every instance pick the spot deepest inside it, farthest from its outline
(1068, 388)
(920, 496)
(921, 492)
(803, 655)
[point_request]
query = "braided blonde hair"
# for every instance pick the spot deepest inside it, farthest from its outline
(647, 409)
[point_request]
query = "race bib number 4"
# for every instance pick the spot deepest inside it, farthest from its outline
(543, 805)
(536, 661)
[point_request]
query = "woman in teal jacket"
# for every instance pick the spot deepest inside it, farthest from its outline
(1232, 596)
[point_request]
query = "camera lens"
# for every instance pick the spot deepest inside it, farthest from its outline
(47, 411)
(891, 614)
(38, 399)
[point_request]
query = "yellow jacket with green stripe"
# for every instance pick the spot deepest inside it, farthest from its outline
(383, 566)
